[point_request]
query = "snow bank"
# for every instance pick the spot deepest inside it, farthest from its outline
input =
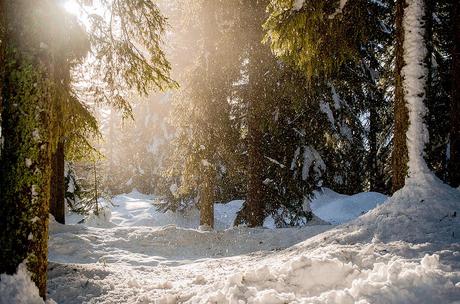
(225, 214)
(102, 219)
(323, 280)
(19, 288)
(404, 251)
(337, 208)
(425, 209)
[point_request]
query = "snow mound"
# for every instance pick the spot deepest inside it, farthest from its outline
(323, 280)
(19, 288)
(338, 208)
(101, 219)
(426, 209)
(225, 214)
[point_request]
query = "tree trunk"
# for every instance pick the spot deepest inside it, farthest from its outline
(57, 201)
(255, 204)
(400, 155)
(256, 97)
(454, 162)
(208, 173)
(207, 201)
(25, 162)
(372, 159)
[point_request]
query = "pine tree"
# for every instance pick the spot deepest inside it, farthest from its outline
(438, 99)
(65, 107)
(203, 150)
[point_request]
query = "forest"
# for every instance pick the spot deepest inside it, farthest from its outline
(229, 151)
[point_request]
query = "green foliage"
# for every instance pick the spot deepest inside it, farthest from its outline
(86, 187)
(318, 38)
(439, 91)
(126, 53)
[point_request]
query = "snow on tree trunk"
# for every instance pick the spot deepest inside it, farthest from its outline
(414, 74)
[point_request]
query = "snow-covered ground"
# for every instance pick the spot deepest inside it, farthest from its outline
(338, 208)
(404, 251)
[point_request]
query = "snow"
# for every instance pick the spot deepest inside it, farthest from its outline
(18, 288)
(326, 109)
(414, 75)
(338, 208)
(297, 5)
(312, 160)
(400, 252)
(405, 250)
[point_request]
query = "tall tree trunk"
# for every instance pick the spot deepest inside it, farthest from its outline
(25, 162)
(208, 184)
(454, 162)
(207, 201)
(400, 155)
(255, 204)
(372, 158)
(61, 79)
(57, 201)
(412, 78)
(256, 97)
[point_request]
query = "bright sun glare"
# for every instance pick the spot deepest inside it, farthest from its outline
(72, 7)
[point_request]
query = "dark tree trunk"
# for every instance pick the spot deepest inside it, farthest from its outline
(255, 213)
(57, 200)
(207, 201)
(373, 157)
(454, 162)
(256, 97)
(208, 184)
(400, 155)
(25, 162)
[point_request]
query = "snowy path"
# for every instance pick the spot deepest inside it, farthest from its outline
(126, 260)
(404, 251)
(126, 264)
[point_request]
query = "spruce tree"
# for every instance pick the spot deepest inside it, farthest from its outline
(203, 155)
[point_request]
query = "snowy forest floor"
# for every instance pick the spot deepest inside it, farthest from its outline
(404, 251)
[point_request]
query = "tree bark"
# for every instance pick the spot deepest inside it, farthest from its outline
(208, 183)
(57, 201)
(256, 98)
(207, 201)
(400, 155)
(255, 204)
(25, 162)
(454, 162)
(373, 158)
